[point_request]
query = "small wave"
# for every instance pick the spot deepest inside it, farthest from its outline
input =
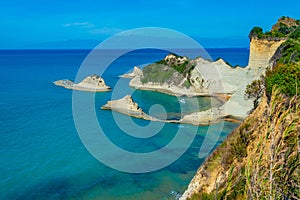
(182, 100)
(180, 126)
(175, 194)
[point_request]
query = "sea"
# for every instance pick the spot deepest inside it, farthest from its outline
(42, 155)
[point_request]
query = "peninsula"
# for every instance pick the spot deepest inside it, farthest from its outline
(93, 83)
(178, 76)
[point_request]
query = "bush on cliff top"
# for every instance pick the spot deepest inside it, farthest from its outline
(286, 77)
(282, 29)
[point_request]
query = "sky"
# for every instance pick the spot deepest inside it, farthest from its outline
(81, 23)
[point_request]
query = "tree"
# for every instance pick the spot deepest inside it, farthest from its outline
(255, 90)
(256, 32)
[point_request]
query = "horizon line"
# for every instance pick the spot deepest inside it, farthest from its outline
(29, 49)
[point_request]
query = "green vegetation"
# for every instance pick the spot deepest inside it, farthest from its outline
(289, 52)
(173, 70)
(186, 84)
(255, 90)
(183, 68)
(286, 70)
(286, 77)
(296, 34)
(156, 73)
(282, 29)
(205, 196)
(258, 33)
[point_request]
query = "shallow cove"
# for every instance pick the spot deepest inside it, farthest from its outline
(42, 156)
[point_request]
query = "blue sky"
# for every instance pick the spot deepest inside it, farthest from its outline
(48, 23)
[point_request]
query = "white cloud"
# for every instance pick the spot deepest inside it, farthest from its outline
(80, 24)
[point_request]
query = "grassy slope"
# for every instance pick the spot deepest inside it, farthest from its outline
(259, 159)
(168, 72)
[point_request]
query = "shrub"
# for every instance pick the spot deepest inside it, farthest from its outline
(286, 77)
(255, 90)
(256, 32)
(295, 34)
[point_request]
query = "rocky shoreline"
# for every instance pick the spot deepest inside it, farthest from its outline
(128, 106)
(93, 83)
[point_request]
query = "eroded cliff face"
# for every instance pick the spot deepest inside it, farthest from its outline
(261, 52)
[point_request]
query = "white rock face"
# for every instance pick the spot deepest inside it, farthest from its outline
(217, 77)
(209, 116)
(172, 58)
(170, 89)
(136, 72)
(92, 83)
(127, 106)
(261, 51)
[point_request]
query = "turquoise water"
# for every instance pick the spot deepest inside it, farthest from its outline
(42, 156)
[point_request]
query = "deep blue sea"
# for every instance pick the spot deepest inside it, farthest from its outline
(42, 156)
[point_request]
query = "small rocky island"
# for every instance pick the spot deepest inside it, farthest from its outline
(127, 106)
(93, 83)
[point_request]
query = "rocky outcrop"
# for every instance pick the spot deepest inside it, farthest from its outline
(289, 22)
(166, 88)
(127, 106)
(136, 72)
(92, 83)
(261, 52)
(210, 116)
